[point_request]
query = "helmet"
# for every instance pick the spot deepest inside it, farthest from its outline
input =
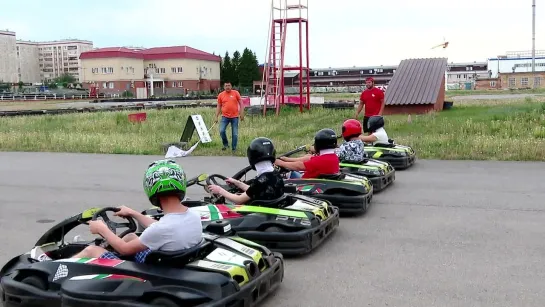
(375, 122)
(260, 149)
(164, 177)
(325, 139)
(351, 128)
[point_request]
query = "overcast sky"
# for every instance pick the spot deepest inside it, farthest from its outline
(342, 32)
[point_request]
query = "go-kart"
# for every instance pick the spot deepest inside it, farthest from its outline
(399, 156)
(351, 193)
(380, 173)
(222, 270)
(292, 224)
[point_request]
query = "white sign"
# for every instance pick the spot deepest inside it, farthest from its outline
(200, 126)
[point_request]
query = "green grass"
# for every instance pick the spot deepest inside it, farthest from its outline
(452, 93)
(506, 130)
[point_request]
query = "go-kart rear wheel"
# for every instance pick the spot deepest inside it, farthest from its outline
(35, 281)
(163, 302)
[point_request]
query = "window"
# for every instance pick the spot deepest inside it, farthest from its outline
(512, 82)
(94, 70)
(174, 83)
(160, 70)
(524, 81)
(537, 81)
(104, 85)
(111, 85)
(180, 84)
(492, 83)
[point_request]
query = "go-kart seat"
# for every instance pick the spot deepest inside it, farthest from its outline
(179, 258)
(338, 176)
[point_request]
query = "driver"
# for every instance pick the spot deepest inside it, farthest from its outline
(326, 162)
(377, 134)
(165, 185)
(268, 184)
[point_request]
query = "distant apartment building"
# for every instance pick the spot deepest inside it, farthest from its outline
(8, 58)
(45, 61)
(35, 62)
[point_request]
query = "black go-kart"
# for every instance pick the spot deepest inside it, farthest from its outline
(223, 270)
(351, 193)
(292, 224)
(399, 156)
(380, 173)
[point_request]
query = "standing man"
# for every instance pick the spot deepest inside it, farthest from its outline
(373, 100)
(231, 108)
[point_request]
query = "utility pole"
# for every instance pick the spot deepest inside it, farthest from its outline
(534, 42)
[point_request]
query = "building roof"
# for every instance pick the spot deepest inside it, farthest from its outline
(416, 81)
(158, 53)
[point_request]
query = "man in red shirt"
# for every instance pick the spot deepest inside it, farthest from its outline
(373, 100)
(325, 163)
(231, 108)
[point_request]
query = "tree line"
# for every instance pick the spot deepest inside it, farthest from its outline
(240, 69)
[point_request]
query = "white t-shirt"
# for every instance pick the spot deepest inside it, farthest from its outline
(174, 232)
(382, 137)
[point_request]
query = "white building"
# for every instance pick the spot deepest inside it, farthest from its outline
(519, 61)
(8, 57)
(34, 62)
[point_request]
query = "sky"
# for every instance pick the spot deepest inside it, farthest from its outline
(342, 33)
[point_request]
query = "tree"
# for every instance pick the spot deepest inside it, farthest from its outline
(236, 68)
(226, 69)
(65, 79)
(248, 68)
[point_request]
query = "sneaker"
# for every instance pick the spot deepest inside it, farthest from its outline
(224, 148)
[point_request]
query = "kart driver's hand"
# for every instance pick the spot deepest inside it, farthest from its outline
(97, 227)
(232, 181)
(124, 211)
(215, 189)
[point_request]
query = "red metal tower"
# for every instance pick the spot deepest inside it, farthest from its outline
(273, 70)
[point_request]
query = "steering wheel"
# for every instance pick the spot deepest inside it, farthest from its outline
(212, 179)
(114, 225)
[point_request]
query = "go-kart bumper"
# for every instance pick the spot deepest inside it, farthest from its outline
(400, 163)
(381, 182)
(295, 243)
(17, 294)
(348, 204)
(14, 293)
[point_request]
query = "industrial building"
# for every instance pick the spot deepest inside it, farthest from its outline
(514, 69)
(36, 62)
(171, 70)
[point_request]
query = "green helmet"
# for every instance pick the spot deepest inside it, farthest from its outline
(164, 177)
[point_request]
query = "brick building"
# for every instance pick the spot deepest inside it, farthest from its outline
(172, 70)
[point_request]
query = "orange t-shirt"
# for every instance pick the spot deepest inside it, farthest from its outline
(229, 103)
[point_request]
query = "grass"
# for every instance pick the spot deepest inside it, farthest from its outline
(504, 130)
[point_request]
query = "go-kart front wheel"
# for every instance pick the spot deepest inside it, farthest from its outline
(163, 302)
(35, 281)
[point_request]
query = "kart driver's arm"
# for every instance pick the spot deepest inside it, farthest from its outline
(293, 166)
(302, 159)
(368, 138)
(118, 244)
(239, 184)
(145, 221)
(236, 198)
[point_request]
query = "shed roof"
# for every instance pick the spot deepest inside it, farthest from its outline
(416, 81)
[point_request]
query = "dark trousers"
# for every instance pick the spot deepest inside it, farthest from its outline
(364, 123)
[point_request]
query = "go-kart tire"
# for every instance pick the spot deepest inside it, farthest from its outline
(163, 302)
(35, 281)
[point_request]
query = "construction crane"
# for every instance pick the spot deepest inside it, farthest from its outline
(444, 44)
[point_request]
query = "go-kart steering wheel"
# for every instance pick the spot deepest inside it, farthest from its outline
(114, 225)
(212, 180)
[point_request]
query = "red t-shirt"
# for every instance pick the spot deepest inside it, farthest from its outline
(327, 164)
(371, 98)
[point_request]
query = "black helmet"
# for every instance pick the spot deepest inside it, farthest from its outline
(261, 149)
(325, 139)
(375, 123)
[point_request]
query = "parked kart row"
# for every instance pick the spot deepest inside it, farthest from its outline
(239, 262)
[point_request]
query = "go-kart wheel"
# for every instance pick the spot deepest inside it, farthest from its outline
(35, 281)
(164, 302)
(114, 225)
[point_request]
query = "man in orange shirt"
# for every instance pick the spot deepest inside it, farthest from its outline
(231, 108)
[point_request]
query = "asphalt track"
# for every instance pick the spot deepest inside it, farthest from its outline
(447, 233)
